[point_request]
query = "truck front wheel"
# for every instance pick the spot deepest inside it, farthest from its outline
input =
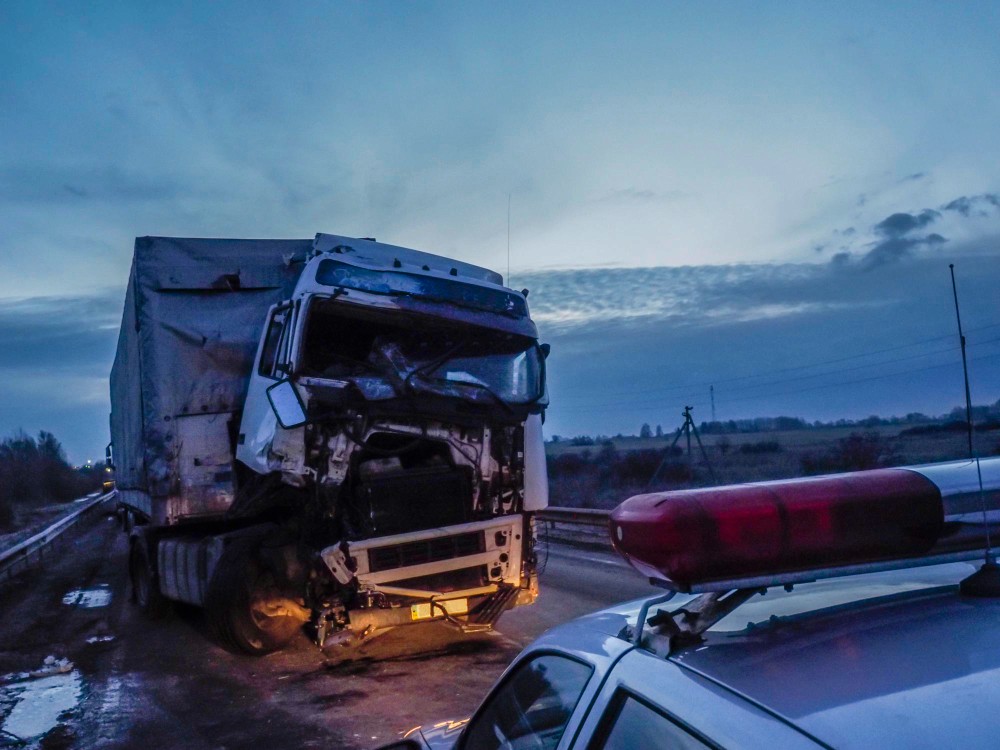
(243, 604)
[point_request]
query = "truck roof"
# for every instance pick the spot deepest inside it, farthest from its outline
(383, 254)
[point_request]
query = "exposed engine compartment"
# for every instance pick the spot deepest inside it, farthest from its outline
(410, 486)
(396, 478)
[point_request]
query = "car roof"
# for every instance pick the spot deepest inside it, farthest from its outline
(889, 659)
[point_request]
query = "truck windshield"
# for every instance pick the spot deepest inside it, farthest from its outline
(471, 363)
(510, 369)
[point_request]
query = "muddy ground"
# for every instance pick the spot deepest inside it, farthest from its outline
(127, 682)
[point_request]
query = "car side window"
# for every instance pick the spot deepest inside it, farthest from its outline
(269, 355)
(532, 707)
(632, 723)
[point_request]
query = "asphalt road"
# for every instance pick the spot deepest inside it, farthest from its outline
(117, 680)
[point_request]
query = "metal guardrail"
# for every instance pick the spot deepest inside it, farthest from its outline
(587, 527)
(576, 516)
(20, 556)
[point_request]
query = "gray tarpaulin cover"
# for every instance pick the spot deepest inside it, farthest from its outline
(194, 312)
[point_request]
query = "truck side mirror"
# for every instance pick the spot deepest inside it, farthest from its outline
(287, 404)
(546, 348)
(107, 456)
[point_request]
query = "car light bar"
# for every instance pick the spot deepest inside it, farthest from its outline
(801, 529)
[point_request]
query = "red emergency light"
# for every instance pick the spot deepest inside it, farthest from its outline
(800, 529)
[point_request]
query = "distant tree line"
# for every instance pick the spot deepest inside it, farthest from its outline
(34, 471)
(986, 417)
(605, 477)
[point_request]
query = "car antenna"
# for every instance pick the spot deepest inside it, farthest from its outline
(985, 581)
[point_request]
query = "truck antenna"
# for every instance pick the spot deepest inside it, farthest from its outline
(986, 580)
(508, 239)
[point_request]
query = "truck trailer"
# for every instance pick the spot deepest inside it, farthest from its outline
(334, 435)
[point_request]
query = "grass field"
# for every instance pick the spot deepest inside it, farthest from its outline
(602, 475)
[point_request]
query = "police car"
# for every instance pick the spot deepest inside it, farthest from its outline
(848, 611)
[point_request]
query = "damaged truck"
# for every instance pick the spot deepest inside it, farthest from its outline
(335, 435)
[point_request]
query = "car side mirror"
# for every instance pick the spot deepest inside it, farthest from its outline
(287, 404)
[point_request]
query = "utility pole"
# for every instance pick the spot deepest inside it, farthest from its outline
(687, 429)
(711, 393)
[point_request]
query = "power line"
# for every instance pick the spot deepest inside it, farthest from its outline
(716, 381)
(948, 350)
(867, 380)
(699, 401)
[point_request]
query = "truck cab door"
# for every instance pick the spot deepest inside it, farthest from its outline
(259, 424)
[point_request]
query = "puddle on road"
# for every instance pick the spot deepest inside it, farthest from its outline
(33, 707)
(99, 596)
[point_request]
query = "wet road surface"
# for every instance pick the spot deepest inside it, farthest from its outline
(80, 667)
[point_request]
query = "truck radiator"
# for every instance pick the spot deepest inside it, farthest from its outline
(414, 500)
(425, 551)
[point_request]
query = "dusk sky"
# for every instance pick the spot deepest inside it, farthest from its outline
(763, 197)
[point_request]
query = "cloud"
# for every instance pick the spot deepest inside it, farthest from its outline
(965, 205)
(55, 357)
(59, 334)
(899, 224)
(689, 296)
(899, 237)
(44, 182)
(641, 195)
(897, 248)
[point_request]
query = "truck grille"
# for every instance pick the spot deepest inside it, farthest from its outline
(425, 551)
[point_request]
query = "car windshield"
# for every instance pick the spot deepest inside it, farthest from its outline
(531, 709)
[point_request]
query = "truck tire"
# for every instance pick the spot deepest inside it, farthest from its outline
(145, 587)
(237, 599)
